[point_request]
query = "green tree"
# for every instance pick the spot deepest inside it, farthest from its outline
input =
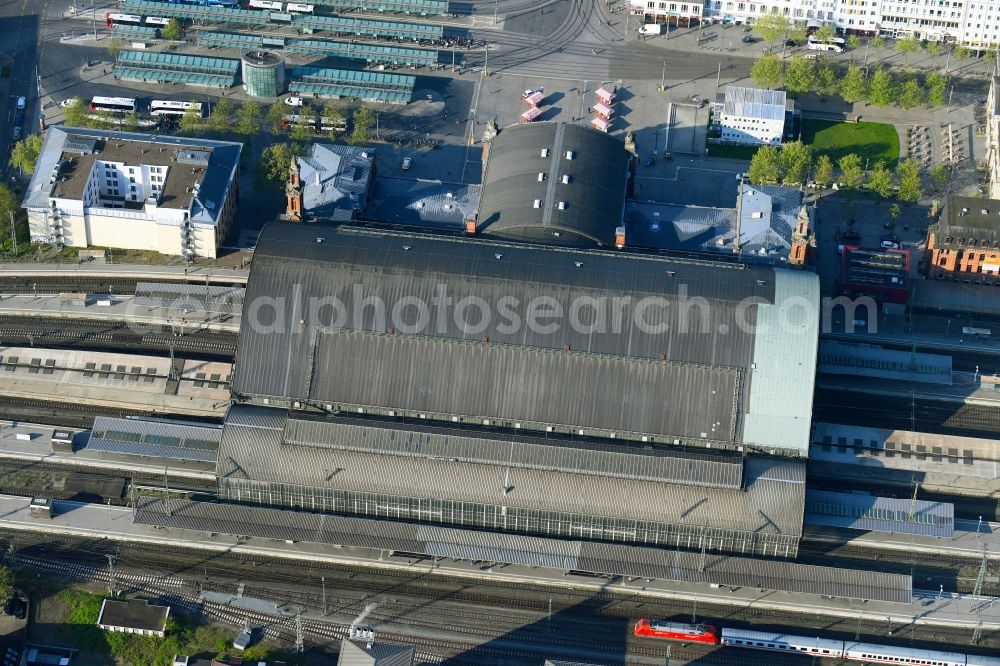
(877, 42)
(796, 158)
(191, 122)
(827, 79)
(853, 41)
(300, 133)
(880, 181)
(850, 170)
(853, 87)
(25, 154)
(131, 122)
(172, 30)
(765, 166)
(936, 85)
(963, 53)
(247, 119)
(114, 48)
(882, 89)
(6, 583)
(798, 33)
(276, 117)
(894, 213)
(933, 48)
(75, 113)
(333, 115)
(826, 33)
(940, 174)
(275, 160)
(990, 54)
(767, 71)
(8, 205)
(824, 171)
(906, 46)
(911, 94)
(363, 120)
(800, 75)
(220, 121)
(910, 188)
(772, 26)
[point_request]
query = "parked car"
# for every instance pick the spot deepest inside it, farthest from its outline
(16, 134)
(527, 93)
(406, 163)
(791, 42)
(293, 101)
(889, 244)
(851, 236)
(750, 39)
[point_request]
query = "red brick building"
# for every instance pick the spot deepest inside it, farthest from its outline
(964, 246)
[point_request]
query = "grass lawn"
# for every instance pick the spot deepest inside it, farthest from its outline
(875, 141)
(731, 151)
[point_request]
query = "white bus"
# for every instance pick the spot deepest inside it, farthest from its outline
(116, 104)
(156, 20)
(298, 7)
(168, 107)
(265, 4)
(114, 19)
(837, 45)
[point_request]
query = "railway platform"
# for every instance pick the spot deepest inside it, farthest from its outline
(125, 381)
(969, 540)
(90, 270)
(115, 308)
(96, 521)
(966, 388)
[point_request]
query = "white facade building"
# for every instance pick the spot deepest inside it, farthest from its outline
(133, 191)
(753, 116)
(974, 23)
(993, 138)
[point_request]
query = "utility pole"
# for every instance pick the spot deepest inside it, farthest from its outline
(718, 76)
(701, 559)
(977, 633)
(496, 8)
(694, 609)
(93, 15)
(667, 663)
(663, 76)
(166, 491)
(112, 588)
(984, 564)
(13, 234)
(486, 60)
(322, 580)
(300, 639)
(913, 501)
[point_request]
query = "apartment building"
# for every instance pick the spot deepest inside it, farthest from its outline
(125, 190)
(993, 138)
(973, 23)
(964, 245)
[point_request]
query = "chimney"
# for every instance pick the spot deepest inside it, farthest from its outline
(620, 238)
(470, 226)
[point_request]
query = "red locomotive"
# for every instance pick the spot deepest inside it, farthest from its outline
(677, 631)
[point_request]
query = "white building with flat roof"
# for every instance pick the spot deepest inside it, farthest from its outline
(171, 195)
(753, 116)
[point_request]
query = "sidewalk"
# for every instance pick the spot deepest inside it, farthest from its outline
(138, 271)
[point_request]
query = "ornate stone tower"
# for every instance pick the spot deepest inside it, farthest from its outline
(293, 193)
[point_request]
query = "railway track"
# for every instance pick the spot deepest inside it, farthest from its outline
(70, 415)
(414, 597)
(90, 284)
(114, 337)
(902, 413)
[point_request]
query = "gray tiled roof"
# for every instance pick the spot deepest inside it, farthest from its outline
(594, 195)
(771, 502)
(495, 371)
(335, 179)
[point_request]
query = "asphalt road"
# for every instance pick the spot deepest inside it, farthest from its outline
(18, 52)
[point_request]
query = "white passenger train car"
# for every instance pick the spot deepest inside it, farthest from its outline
(762, 640)
(886, 654)
(973, 660)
